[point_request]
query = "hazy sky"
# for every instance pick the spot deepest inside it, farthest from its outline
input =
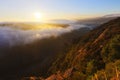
(24, 10)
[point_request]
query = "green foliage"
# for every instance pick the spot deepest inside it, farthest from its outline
(111, 70)
(90, 67)
(111, 51)
(78, 76)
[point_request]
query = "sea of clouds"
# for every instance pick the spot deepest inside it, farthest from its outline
(10, 36)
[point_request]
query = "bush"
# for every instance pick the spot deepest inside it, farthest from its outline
(111, 51)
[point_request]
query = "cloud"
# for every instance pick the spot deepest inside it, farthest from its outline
(10, 36)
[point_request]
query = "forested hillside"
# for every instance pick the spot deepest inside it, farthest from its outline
(95, 57)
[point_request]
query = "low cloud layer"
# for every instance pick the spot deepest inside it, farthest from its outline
(10, 36)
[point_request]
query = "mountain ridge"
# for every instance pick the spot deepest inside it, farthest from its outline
(89, 55)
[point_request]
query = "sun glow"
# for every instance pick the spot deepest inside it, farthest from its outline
(38, 16)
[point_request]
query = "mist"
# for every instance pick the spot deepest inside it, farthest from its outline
(10, 36)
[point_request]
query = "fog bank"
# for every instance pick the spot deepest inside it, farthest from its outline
(10, 36)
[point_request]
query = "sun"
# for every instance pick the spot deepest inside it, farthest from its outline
(38, 15)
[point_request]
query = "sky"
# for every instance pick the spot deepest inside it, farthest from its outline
(25, 10)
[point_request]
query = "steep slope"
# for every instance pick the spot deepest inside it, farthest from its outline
(93, 53)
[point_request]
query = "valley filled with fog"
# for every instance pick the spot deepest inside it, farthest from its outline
(59, 39)
(14, 34)
(28, 49)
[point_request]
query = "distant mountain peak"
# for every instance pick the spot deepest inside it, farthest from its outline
(112, 15)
